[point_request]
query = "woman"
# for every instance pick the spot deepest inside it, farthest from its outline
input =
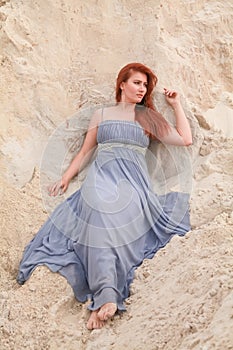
(102, 233)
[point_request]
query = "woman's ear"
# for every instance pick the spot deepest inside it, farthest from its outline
(122, 85)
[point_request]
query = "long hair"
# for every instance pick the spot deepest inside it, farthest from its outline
(152, 121)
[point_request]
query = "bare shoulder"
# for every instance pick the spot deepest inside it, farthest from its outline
(102, 114)
(96, 118)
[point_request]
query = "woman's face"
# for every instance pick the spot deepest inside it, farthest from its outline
(134, 89)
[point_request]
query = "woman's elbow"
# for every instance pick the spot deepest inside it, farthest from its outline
(186, 138)
(188, 142)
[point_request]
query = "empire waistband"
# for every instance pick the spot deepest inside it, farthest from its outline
(109, 146)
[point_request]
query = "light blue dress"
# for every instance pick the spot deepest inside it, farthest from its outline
(102, 232)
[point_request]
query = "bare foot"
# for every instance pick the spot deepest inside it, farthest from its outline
(106, 311)
(94, 321)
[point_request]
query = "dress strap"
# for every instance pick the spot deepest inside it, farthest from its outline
(102, 114)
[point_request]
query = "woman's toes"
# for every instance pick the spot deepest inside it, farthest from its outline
(94, 322)
(107, 311)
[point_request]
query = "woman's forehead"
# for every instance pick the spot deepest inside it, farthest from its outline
(139, 76)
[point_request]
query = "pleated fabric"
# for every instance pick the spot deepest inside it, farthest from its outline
(103, 232)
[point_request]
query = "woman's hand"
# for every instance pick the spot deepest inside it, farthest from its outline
(181, 135)
(59, 187)
(172, 97)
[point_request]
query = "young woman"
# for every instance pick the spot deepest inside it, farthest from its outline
(103, 232)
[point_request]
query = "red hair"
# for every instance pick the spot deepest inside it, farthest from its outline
(153, 122)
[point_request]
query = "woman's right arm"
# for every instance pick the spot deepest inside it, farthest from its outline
(82, 156)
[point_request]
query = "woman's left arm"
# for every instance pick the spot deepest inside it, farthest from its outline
(181, 135)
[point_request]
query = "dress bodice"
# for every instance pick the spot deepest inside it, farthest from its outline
(122, 131)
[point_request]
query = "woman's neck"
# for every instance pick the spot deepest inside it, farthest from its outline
(126, 107)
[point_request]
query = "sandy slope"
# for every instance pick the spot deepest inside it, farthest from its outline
(181, 299)
(57, 56)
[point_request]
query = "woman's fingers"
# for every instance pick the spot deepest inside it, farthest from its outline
(55, 188)
(170, 93)
(63, 188)
(171, 96)
(59, 187)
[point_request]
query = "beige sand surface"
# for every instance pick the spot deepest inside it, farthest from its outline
(59, 56)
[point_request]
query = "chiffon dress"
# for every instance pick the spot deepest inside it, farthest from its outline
(99, 235)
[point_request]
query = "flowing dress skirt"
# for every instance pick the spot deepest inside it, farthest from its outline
(103, 232)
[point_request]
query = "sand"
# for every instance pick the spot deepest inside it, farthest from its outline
(57, 57)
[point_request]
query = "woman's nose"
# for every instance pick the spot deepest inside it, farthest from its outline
(142, 87)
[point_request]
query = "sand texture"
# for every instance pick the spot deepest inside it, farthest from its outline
(58, 58)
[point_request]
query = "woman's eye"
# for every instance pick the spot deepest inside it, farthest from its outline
(138, 83)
